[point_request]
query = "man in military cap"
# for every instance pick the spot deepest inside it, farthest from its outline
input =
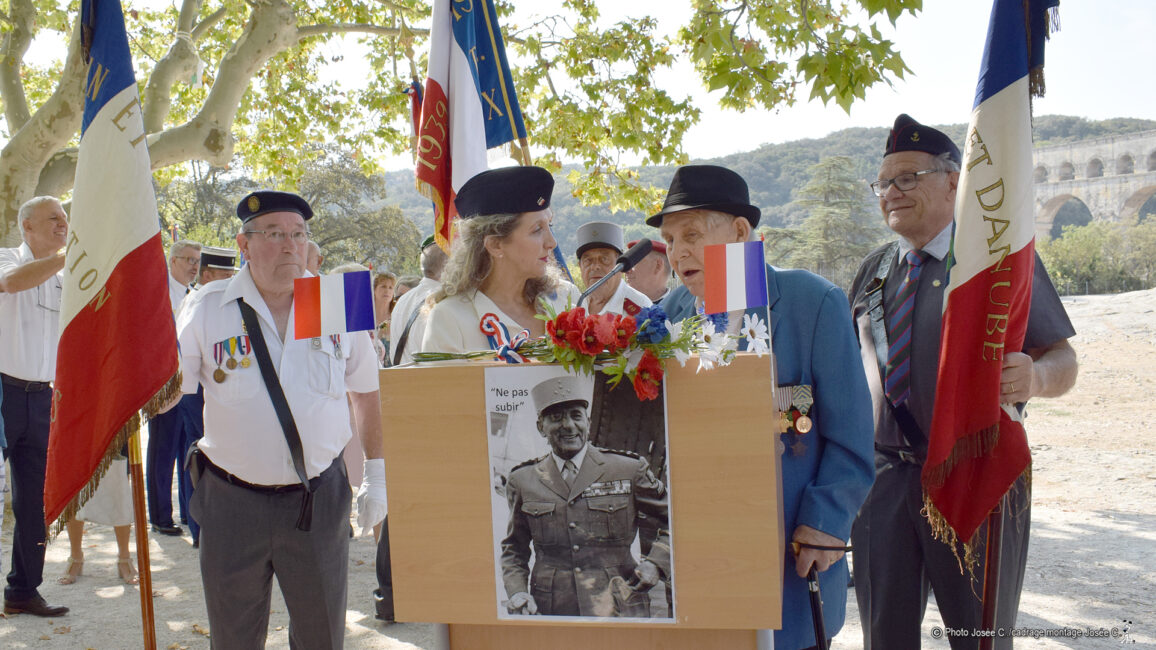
(273, 499)
(651, 275)
(217, 263)
(166, 430)
(826, 452)
(897, 300)
(599, 245)
(579, 506)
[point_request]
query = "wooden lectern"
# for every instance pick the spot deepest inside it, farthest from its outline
(726, 512)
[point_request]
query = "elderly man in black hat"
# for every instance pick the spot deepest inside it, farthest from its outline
(273, 499)
(599, 245)
(826, 456)
(897, 300)
(579, 507)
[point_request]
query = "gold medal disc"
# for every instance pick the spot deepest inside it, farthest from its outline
(219, 376)
(231, 364)
(245, 362)
(803, 424)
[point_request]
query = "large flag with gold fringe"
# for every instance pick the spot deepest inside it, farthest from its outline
(118, 350)
(469, 104)
(977, 446)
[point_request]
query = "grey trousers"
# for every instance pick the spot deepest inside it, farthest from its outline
(247, 537)
(896, 560)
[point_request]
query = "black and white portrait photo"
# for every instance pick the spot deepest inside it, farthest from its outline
(581, 506)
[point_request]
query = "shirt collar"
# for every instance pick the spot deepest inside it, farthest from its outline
(937, 247)
(577, 458)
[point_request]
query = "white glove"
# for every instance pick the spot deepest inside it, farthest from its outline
(371, 500)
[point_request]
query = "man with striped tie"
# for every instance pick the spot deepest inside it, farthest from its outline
(897, 300)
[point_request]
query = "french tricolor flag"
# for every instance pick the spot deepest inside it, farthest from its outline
(735, 275)
(332, 304)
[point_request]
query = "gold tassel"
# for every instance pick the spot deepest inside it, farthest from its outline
(167, 393)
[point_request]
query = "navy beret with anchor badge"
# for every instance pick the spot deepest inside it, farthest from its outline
(507, 190)
(909, 135)
(262, 202)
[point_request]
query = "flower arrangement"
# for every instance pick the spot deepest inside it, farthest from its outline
(622, 346)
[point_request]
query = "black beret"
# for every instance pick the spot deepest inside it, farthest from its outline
(427, 242)
(508, 190)
(909, 135)
(266, 201)
(707, 187)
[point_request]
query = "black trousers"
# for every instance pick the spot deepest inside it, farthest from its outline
(383, 595)
(26, 419)
(897, 560)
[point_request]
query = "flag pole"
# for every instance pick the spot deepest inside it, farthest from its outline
(148, 625)
(992, 557)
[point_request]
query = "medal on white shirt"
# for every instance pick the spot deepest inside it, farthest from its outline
(231, 348)
(219, 356)
(336, 339)
(245, 348)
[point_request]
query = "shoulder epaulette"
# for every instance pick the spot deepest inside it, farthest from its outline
(527, 463)
(622, 452)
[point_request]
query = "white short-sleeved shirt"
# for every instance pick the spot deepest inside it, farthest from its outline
(29, 322)
(242, 433)
(177, 293)
(453, 324)
(413, 300)
(624, 292)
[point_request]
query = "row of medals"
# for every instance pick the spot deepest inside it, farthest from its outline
(232, 346)
(794, 403)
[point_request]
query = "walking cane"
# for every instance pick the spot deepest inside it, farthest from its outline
(813, 592)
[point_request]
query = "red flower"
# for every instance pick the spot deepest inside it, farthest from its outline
(624, 328)
(566, 329)
(648, 378)
(594, 335)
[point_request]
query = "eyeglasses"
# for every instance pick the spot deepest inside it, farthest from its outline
(278, 236)
(188, 259)
(905, 182)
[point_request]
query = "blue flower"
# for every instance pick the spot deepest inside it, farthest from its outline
(720, 321)
(652, 325)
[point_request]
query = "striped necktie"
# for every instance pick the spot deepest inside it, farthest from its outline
(898, 382)
(569, 472)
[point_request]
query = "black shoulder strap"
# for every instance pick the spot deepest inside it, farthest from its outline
(281, 406)
(401, 341)
(907, 424)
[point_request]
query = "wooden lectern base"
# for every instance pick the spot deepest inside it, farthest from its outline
(506, 637)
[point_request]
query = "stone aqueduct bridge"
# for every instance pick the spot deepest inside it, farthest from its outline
(1113, 176)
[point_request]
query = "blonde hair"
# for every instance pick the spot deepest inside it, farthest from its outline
(470, 263)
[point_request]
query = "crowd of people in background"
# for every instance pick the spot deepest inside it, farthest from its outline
(266, 486)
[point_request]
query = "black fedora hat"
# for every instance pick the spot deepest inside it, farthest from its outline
(707, 187)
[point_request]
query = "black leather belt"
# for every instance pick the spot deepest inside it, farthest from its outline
(263, 489)
(902, 453)
(27, 386)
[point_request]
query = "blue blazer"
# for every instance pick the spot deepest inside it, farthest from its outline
(814, 343)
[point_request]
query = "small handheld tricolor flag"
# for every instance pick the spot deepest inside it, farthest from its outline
(735, 276)
(332, 304)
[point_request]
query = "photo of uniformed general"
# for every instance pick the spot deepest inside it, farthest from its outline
(581, 528)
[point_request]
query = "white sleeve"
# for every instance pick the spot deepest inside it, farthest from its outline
(190, 339)
(361, 366)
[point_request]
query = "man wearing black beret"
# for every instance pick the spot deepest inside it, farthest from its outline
(826, 457)
(897, 300)
(273, 499)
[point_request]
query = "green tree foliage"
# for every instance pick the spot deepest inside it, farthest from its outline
(351, 221)
(840, 227)
(249, 85)
(1102, 257)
